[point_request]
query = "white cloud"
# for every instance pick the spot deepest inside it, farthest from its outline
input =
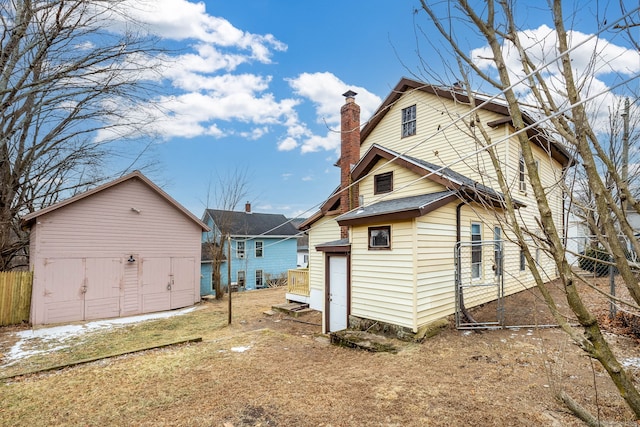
(185, 20)
(325, 91)
(211, 97)
(287, 144)
(596, 63)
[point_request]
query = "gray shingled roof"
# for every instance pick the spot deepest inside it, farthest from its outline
(252, 224)
(396, 205)
(456, 177)
(467, 184)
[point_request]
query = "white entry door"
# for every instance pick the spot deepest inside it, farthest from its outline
(337, 293)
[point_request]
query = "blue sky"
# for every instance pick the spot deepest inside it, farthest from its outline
(257, 87)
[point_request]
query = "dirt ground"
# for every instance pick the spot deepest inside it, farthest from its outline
(275, 370)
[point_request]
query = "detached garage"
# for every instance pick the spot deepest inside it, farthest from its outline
(120, 249)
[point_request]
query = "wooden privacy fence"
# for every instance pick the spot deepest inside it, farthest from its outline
(15, 297)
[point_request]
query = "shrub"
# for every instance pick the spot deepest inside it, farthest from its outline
(588, 263)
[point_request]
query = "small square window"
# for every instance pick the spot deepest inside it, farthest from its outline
(380, 237)
(409, 121)
(383, 183)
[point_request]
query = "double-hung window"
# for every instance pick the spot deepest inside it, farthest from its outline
(241, 278)
(240, 249)
(497, 250)
(259, 248)
(409, 121)
(522, 175)
(476, 250)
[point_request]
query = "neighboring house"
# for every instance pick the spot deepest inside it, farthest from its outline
(577, 238)
(303, 245)
(383, 250)
(263, 247)
(303, 257)
(123, 248)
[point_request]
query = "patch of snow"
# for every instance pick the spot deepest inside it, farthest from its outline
(239, 349)
(58, 334)
(632, 362)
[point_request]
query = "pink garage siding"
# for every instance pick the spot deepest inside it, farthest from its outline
(80, 254)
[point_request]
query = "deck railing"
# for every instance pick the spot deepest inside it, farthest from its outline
(298, 282)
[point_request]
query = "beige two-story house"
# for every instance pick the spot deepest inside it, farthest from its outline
(416, 230)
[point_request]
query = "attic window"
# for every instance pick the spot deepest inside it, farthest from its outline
(409, 121)
(383, 183)
(380, 237)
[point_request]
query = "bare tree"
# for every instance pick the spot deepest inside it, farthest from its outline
(562, 104)
(230, 190)
(68, 83)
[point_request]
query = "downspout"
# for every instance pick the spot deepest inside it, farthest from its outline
(460, 295)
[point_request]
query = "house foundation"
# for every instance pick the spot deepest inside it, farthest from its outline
(395, 331)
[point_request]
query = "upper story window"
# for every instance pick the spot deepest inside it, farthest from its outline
(383, 183)
(522, 175)
(259, 248)
(409, 121)
(240, 249)
(380, 237)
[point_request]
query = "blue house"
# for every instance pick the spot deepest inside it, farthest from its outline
(263, 248)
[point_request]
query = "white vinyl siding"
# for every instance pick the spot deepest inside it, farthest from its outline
(382, 282)
(405, 183)
(323, 231)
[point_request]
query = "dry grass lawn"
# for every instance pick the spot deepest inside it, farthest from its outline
(277, 371)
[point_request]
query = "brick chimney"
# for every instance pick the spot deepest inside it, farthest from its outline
(247, 207)
(349, 154)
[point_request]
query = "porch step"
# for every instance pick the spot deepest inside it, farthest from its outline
(294, 309)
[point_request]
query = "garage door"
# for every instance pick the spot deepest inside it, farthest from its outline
(94, 288)
(167, 283)
(81, 288)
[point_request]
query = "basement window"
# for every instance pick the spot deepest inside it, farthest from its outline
(380, 237)
(383, 183)
(409, 121)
